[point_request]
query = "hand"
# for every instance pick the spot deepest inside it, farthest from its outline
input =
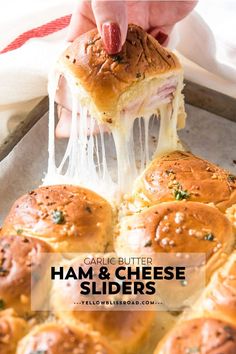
(111, 18)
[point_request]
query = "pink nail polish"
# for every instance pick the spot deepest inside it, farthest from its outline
(111, 37)
(161, 37)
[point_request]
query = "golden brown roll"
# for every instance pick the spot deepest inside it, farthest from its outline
(71, 219)
(20, 256)
(219, 298)
(110, 84)
(12, 329)
(200, 336)
(128, 331)
(181, 175)
(178, 227)
(58, 338)
(231, 214)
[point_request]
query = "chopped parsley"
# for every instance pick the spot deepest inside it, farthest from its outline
(2, 304)
(209, 237)
(227, 328)
(118, 58)
(231, 178)
(180, 194)
(183, 282)
(58, 217)
(3, 271)
(19, 231)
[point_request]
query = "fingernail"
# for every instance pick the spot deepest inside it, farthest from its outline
(111, 37)
(161, 37)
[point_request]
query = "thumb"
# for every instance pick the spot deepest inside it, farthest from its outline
(111, 20)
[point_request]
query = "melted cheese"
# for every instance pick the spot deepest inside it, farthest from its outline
(168, 137)
(85, 160)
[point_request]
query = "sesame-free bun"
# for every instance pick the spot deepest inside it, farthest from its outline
(59, 338)
(12, 329)
(178, 227)
(204, 181)
(108, 82)
(70, 218)
(202, 335)
(219, 297)
(128, 331)
(20, 258)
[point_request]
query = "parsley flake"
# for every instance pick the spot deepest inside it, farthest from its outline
(58, 217)
(231, 178)
(118, 58)
(209, 237)
(181, 194)
(2, 304)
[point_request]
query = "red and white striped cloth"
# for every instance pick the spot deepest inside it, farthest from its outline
(33, 34)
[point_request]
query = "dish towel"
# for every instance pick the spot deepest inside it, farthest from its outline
(33, 35)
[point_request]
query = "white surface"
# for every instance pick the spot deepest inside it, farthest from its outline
(208, 135)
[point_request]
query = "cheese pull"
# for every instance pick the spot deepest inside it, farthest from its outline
(114, 91)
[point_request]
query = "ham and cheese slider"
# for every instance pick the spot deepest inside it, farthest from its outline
(70, 218)
(24, 263)
(178, 227)
(200, 336)
(12, 329)
(58, 338)
(137, 81)
(183, 176)
(219, 298)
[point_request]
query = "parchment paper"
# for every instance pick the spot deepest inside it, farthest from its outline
(208, 135)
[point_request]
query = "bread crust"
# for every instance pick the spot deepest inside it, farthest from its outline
(12, 329)
(185, 223)
(202, 335)
(204, 181)
(70, 218)
(131, 330)
(58, 338)
(105, 77)
(219, 298)
(20, 257)
(178, 227)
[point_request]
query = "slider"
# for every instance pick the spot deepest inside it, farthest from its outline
(181, 175)
(201, 335)
(55, 338)
(70, 218)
